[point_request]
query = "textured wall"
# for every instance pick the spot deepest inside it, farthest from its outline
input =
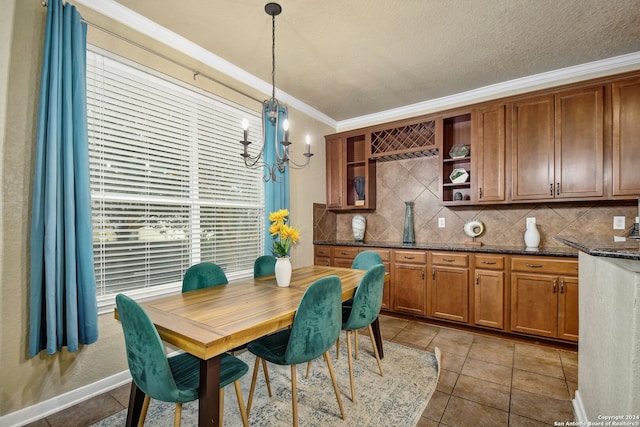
(417, 180)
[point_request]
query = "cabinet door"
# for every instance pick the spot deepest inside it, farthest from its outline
(579, 152)
(626, 138)
(533, 149)
(534, 304)
(449, 293)
(488, 154)
(568, 308)
(336, 171)
(409, 286)
(488, 293)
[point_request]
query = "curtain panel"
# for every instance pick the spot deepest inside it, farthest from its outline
(63, 309)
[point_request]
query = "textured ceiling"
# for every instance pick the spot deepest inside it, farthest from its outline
(350, 58)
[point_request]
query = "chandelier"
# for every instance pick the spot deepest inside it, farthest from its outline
(272, 109)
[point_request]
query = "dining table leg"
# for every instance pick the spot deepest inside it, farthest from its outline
(209, 393)
(378, 336)
(136, 399)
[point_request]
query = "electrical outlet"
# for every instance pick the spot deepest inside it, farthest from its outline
(618, 223)
(440, 222)
(531, 221)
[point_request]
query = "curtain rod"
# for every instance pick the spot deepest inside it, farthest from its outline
(196, 73)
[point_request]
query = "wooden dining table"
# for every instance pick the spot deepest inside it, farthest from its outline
(209, 322)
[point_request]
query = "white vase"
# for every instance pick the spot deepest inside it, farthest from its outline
(283, 271)
(532, 236)
(358, 224)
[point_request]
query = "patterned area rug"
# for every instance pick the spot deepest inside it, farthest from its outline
(397, 399)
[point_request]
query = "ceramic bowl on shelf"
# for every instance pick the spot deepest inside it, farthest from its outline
(458, 151)
(458, 176)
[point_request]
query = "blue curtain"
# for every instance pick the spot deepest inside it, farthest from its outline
(276, 194)
(63, 308)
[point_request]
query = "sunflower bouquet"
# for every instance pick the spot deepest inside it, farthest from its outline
(283, 235)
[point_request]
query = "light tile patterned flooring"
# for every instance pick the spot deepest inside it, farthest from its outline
(484, 381)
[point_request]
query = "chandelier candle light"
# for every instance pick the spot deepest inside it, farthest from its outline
(272, 108)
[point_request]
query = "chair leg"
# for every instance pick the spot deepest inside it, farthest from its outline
(355, 334)
(338, 348)
(143, 411)
(335, 383)
(351, 377)
(375, 350)
(253, 384)
(243, 413)
(178, 416)
(266, 376)
(221, 407)
(294, 395)
(308, 369)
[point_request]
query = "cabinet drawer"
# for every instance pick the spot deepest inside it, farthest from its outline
(417, 257)
(545, 265)
(489, 262)
(345, 252)
(384, 254)
(323, 251)
(458, 260)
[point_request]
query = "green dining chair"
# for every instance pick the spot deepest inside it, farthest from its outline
(264, 266)
(203, 275)
(174, 379)
(316, 326)
(367, 302)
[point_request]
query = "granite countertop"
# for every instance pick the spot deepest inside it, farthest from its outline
(604, 246)
(460, 247)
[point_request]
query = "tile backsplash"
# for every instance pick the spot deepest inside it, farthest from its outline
(417, 180)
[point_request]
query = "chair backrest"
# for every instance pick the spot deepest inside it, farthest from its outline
(145, 354)
(203, 275)
(366, 259)
(264, 266)
(317, 322)
(367, 300)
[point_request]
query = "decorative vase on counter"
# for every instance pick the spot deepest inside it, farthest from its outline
(532, 236)
(408, 235)
(283, 271)
(358, 224)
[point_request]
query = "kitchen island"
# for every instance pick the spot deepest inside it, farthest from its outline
(609, 348)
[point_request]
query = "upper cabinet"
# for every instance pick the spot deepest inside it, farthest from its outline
(489, 145)
(455, 160)
(626, 137)
(557, 146)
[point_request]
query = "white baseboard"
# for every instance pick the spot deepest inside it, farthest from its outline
(578, 410)
(43, 409)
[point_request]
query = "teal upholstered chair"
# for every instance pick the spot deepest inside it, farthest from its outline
(366, 259)
(264, 266)
(367, 302)
(316, 326)
(203, 275)
(173, 379)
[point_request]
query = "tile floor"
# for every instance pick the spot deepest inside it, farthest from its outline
(484, 381)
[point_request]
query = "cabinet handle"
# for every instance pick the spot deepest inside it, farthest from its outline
(477, 279)
(433, 274)
(409, 257)
(480, 193)
(448, 260)
(562, 286)
(345, 253)
(551, 189)
(554, 285)
(534, 265)
(557, 188)
(489, 262)
(422, 274)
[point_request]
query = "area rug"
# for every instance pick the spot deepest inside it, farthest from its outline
(397, 399)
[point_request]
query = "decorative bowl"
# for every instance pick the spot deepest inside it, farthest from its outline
(458, 151)
(458, 176)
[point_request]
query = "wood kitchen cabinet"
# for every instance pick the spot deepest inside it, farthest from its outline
(488, 291)
(544, 297)
(626, 137)
(557, 146)
(409, 282)
(322, 255)
(335, 147)
(456, 130)
(449, 286)
(488, 152)
(343, 256)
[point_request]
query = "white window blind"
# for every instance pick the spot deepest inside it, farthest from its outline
(168, 185)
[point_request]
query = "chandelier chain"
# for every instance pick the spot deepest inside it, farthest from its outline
(273, 56)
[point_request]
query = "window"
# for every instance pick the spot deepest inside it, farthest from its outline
(168, 185)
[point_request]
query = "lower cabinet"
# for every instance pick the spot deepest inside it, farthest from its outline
(343, 256)
(409, 282)
(544, 297)
(488, 291)
(449, 286)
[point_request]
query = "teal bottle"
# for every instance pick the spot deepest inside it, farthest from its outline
(409, 236)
